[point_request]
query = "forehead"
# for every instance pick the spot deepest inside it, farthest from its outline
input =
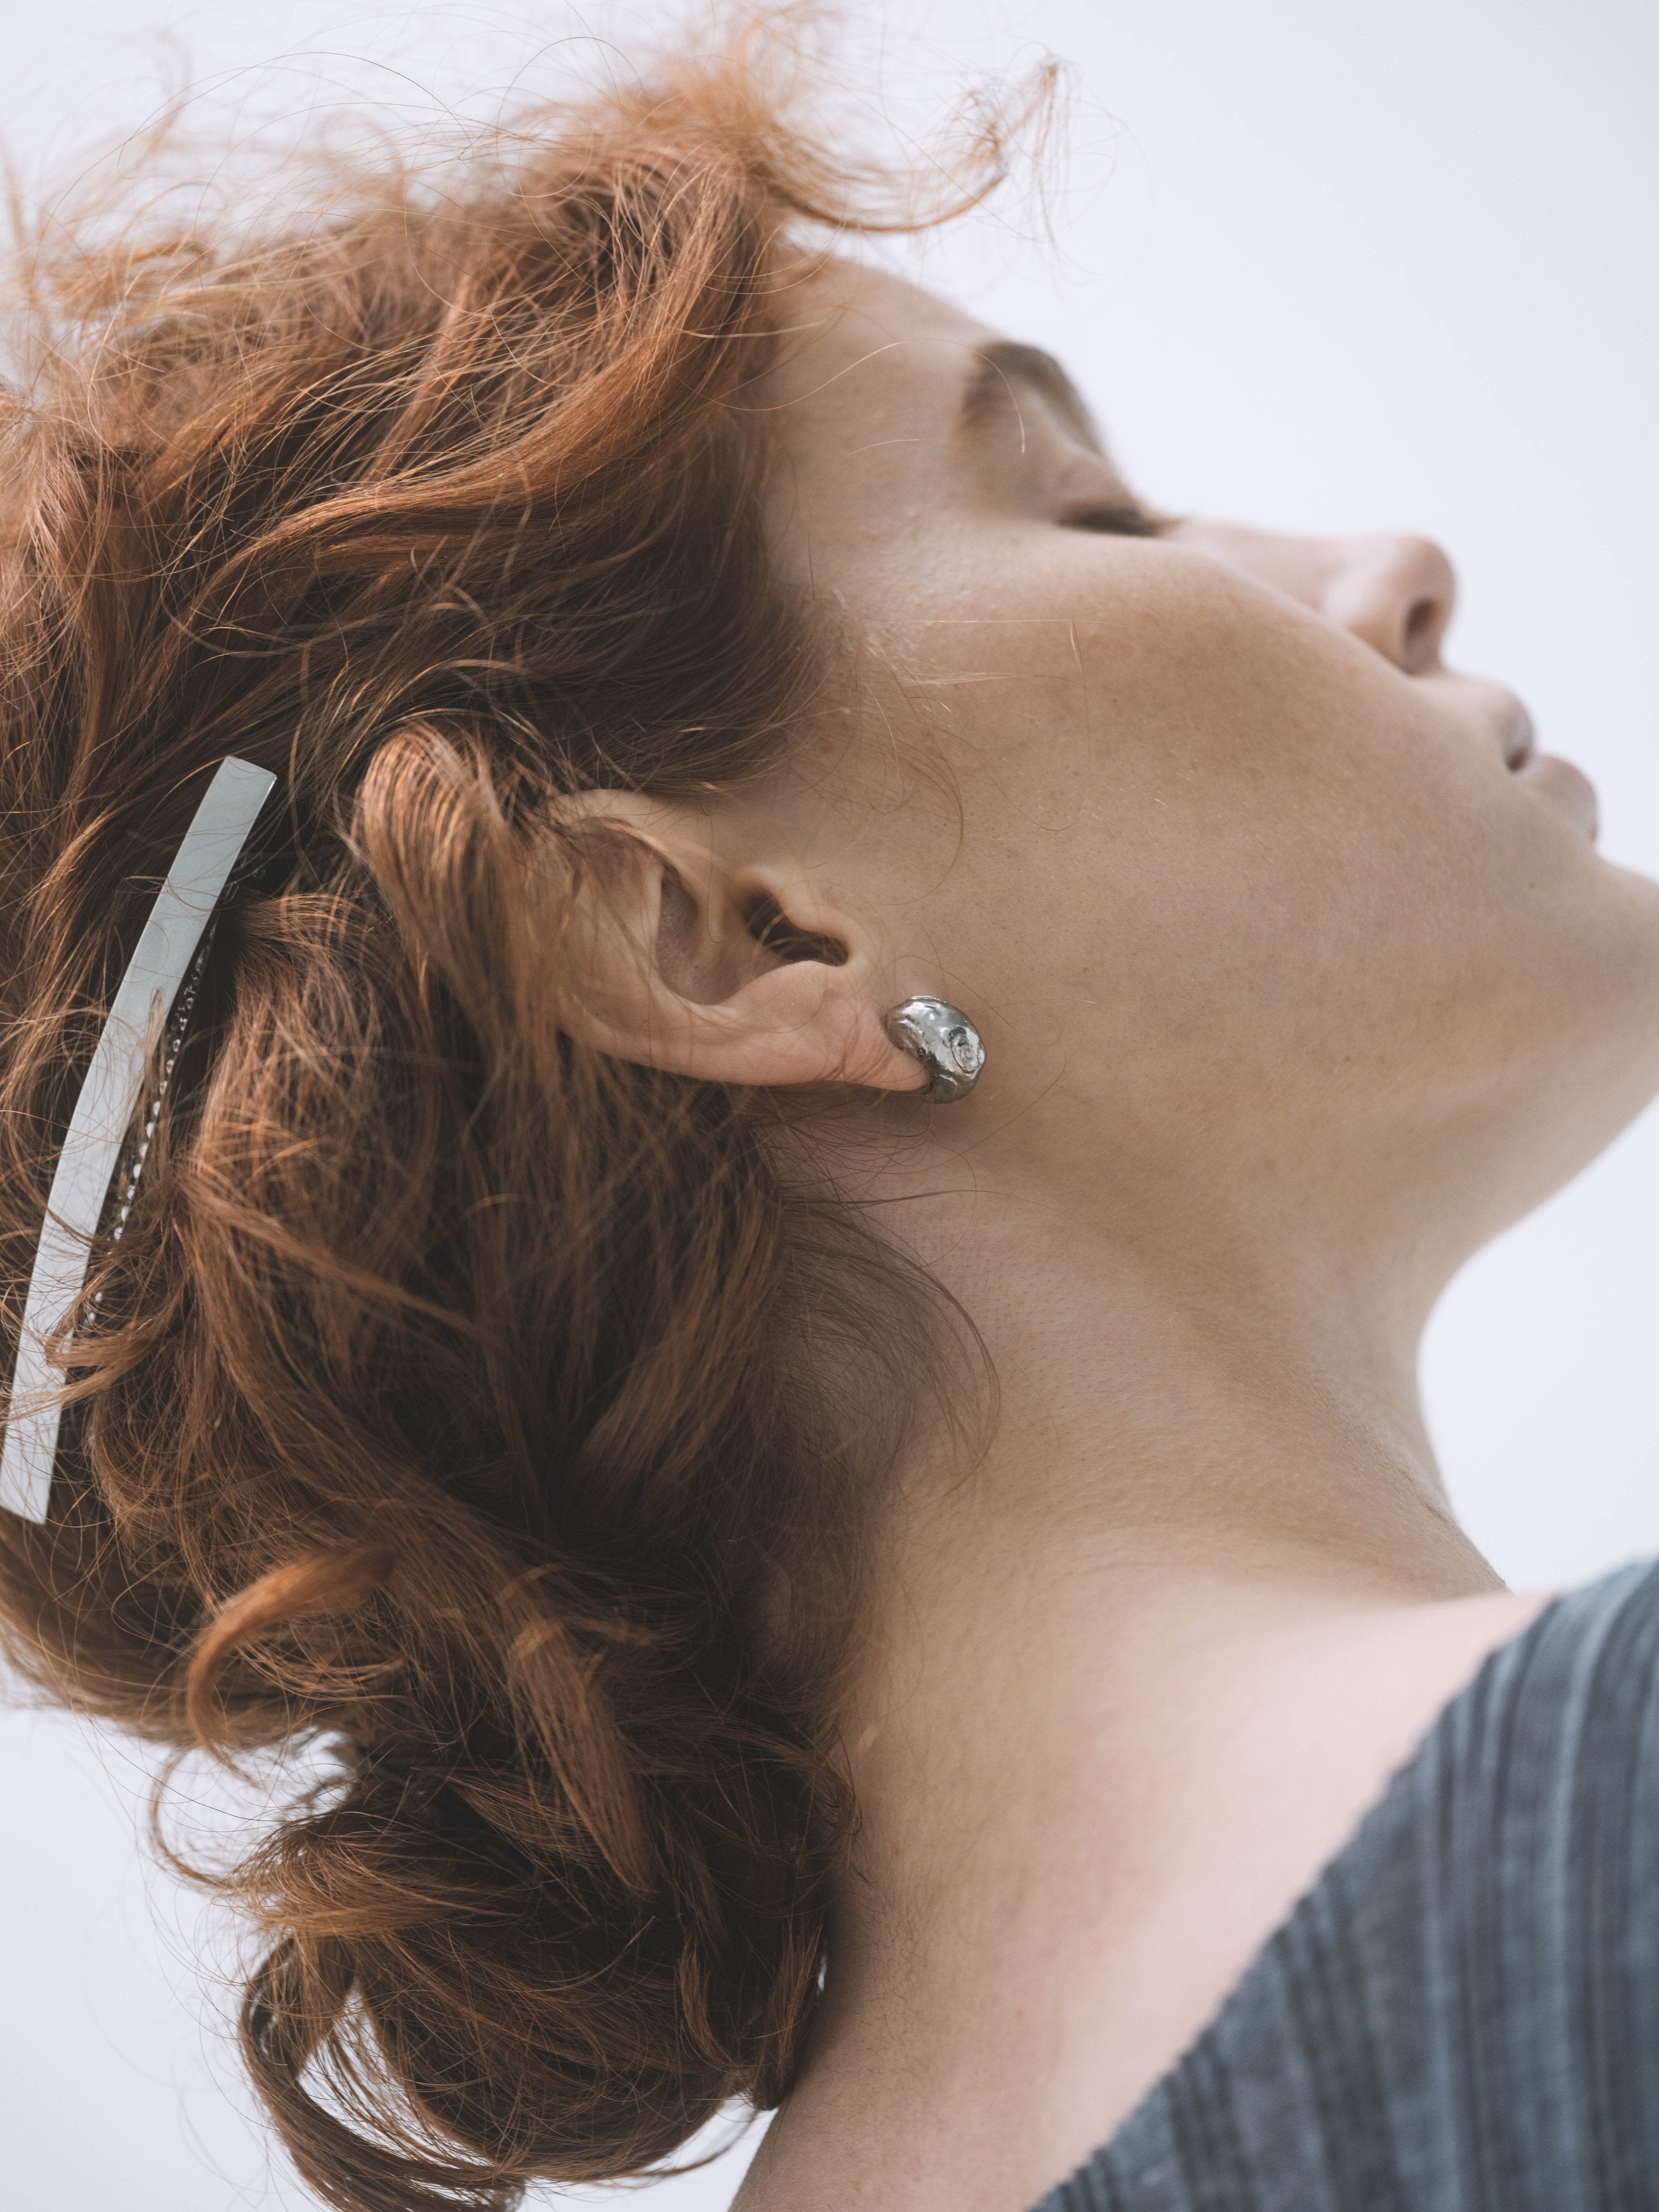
(860, 344)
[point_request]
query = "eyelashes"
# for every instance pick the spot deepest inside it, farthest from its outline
(1116, 519)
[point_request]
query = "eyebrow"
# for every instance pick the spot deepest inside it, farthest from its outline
(1002, 362)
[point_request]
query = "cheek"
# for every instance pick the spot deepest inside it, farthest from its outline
(1209, 943)
(1237, 873)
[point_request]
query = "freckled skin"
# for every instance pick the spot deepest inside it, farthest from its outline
(1225, 870)
(1298, 977)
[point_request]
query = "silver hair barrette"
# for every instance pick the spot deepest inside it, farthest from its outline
(157, 990)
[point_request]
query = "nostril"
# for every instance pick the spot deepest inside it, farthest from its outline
(1421, 630)
(1396, 593)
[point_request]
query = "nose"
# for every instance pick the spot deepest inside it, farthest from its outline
(1396, 592)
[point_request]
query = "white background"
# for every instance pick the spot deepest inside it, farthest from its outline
(1322, 263)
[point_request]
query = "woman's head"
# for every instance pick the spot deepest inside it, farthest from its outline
(1257, 905)
(676, 648)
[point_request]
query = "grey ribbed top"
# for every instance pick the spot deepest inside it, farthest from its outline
(1463, 2013)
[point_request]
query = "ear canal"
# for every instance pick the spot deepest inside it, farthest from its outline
(775, 932)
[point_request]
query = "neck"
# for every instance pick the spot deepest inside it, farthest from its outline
(1207, 1493)
(1216, 1408)
(1194, 1449)
(1188, 1449)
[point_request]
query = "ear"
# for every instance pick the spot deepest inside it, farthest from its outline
(730, 969)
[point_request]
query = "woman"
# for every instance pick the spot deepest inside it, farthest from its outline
(805, 1569)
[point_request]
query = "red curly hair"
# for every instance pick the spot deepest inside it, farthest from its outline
(448, 1402)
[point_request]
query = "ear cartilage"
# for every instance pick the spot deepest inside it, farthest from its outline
(941, 1036)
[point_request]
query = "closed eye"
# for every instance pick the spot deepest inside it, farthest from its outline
(1120, 518)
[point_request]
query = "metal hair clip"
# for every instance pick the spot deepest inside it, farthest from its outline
(169, 954)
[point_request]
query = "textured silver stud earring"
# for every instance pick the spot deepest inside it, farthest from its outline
(944, 1039)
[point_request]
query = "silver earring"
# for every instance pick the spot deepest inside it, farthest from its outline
(944, 1039)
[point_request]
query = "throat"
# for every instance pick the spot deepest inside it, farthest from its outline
(1124, 1684)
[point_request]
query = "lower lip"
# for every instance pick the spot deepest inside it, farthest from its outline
(1564, 785)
